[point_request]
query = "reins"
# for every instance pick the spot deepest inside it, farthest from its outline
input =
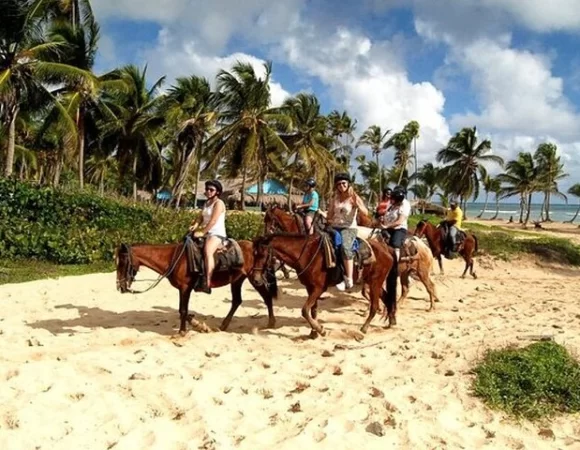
(172, 266)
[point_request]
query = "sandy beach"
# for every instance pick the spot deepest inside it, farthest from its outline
(85, 367)
(569, 231)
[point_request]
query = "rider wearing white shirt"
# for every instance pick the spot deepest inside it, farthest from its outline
(396, 219)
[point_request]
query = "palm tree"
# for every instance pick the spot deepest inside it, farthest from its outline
(26, 61)
(550, 171)
(521, 178)
(248, 139)
(308, 144)
(421, 192)
(487, 182)
(402, 143)
(429, 176)
(375, 139)
(495, 187)
(372, 177)
(135, 132)
(342, 127)
(465, 156)
(190, 110)
(575, 191)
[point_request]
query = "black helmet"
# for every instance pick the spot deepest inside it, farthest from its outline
(387, 191)
(399, 193)
(341, 177)
(310, 182)
(216, 184)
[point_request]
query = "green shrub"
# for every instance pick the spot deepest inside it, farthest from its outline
(533, 382)
(81, 227)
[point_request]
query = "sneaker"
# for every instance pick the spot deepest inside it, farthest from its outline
(341, 286)
(348, 283)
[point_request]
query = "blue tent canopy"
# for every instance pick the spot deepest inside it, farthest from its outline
(163, 195)
(269, 187)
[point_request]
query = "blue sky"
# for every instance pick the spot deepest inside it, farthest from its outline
(509, 67)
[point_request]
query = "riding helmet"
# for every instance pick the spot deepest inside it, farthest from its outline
(399, 193)
(216, 184)
(341, 177)
(310, 182)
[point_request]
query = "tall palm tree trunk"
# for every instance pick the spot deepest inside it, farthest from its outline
(484, 206)
(197, 175)
(177, 191)
(529, 208)
(548, 195)
(522, 205)
(135, 178)
(81, 146)
(11, 142)
(575, 215)
(380, 173)
(496, 208)
(243, 190)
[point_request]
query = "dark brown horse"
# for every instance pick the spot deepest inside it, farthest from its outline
(170, 261)
(436, 238)
(305, 255)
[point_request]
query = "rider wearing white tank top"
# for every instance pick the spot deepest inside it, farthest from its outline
(219, 228)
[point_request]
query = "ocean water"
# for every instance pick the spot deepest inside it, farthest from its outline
(558, 213)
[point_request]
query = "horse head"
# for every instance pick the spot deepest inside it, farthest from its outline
(421, 228)
(126, 267)
(262, 260)
(278, 219)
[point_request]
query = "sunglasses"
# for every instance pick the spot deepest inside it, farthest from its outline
(342, 183)
(210, 189)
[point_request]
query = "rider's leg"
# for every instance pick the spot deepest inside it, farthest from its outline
(453, 237)
(308, 219)
(211, 245)
(348, 237)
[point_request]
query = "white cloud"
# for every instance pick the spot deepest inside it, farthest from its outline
(369, 81)
(176, 58)
(517, 91)
(213, 22)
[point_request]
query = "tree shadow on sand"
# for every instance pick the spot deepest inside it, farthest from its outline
(161, 320)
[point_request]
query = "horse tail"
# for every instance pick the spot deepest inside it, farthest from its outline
(476, 243)
(389, 297)
(271, 282)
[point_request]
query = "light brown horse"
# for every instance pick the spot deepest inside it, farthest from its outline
(436, 239)
(418, 267)
(170, 261)
(305, 254)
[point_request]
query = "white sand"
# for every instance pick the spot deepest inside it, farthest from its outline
(84, 367)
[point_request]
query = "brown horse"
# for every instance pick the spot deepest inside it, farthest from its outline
(436, 239)
(305, 255)
(170, 261)
(418, 267)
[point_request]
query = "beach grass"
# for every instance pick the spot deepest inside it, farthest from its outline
(533, 382)
(22, 270)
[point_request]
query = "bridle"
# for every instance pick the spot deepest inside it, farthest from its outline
(130, 270)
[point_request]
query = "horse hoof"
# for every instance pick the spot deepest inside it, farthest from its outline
(271, 325)
(322, 331)
(313, 334)
(474, 276)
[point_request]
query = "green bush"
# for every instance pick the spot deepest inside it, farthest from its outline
(81, 227)
(533, 382)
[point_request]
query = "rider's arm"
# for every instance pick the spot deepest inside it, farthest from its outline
(330, 213)
(361, 205)
(217, 210)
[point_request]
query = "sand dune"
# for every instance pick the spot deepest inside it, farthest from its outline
(85, 367)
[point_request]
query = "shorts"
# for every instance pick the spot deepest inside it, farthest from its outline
(310, 213)
(398, 237)
(348, 237)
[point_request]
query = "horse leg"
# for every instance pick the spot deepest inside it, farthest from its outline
(236, 290)
(314, 293)
(467, 264)
(440, 261)
(375, 289)
(471, 269)
(184, 295)
(389, 296)
(405, 284)
(428, 283)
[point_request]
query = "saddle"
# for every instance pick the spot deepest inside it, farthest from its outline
(228, 256)
(409, 248)
(459, 239)
(332, 248)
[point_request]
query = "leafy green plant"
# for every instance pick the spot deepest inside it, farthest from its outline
(533, 382)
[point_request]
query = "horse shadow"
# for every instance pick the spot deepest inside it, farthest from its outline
(161, 320)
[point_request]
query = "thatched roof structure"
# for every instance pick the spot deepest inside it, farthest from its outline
(429, 208)
(233, 188)
(266, 198)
